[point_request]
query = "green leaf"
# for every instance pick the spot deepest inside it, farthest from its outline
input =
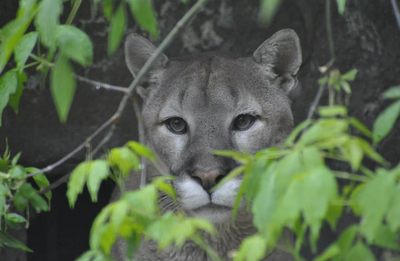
(374, 201)
(392, 93)
(141, 150)
(333, 214)
(12, 32)
(266, 202)
(3, 193)
(38, 203)
(332, 111)
(98, 171)
(323, 129)
(350, 75)
(24, 49)
(360, 252)
(292, 137)
(118, 214)
(268, 10)
(20, 201)
(17, 172)
(345, 86)
(14, 98)
(162, 185)
(321, 188)
(108, 6)
(385, 238)
(8, 85)
(15, 218)
(124, 159)
(47, 19)
(77, 181)
(144, 14)
(360, 126)
(117, 28)
(332, 251)
(253, 248)
(75, 44)
(107, 239)
(385, 122)
(393, 213)
(42, 182)
(354, 153)
(8, 241)
(145, 200)
(174, 229)
(98, 223)
(15, 159)
(62, 87)
(369, 151)
(345, 241)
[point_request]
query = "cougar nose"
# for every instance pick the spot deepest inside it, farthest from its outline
(208, 179)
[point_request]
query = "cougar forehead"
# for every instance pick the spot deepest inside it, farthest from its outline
(209, 91)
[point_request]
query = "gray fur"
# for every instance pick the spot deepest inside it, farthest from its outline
(209, 91)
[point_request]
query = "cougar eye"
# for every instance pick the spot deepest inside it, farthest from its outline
(176, 125)
(243, 122)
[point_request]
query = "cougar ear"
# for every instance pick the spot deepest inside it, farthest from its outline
(282, 52)
(137, 51)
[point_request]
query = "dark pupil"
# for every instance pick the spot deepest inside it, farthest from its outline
(177, 125)
(243, 121)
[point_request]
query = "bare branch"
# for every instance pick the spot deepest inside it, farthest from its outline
(316, 101)
(77, 149)
(102, 85)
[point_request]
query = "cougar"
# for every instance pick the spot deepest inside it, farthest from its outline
(197, 104)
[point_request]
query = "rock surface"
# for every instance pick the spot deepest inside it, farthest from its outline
(366, 37)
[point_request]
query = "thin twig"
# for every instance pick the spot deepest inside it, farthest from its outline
(105, 139)
(102, 85)
(75, 8)
(143, 169)
(396, 12)
(316, 101)
(77, 149)
(55, 184)
(350, 176)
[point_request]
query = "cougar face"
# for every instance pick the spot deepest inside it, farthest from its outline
(196, 105)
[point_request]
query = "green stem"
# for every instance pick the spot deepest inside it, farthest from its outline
(350, 176)
(40, 59)
(75, 8)
(329, 29)
(31, 64)
(4, 175)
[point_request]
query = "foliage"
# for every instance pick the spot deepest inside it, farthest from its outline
(62, 41)
(290, 187)
(17, 195)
